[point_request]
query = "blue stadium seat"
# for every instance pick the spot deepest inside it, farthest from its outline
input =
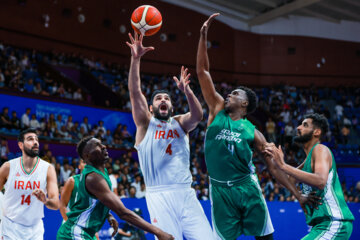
(60, 159)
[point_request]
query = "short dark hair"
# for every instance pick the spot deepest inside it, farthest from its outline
(319, 121)
(251, 95)
(156, 92)
(26, 131)
(81, 145)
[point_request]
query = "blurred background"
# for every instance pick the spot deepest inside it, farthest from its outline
(64, 68)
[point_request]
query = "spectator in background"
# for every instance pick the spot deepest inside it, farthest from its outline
(15, 121)
(78, 95)
(108, 139)
(69, 123)
(137, 183)
(289, 132)
(132, 192)
(65, 172)
(4, 150)
(29, 85)
(125, 134)
(34, 123)
(114, 175)
(270, 130)
(48, 156)
(344, 134)
(52, 122)
(142, 191)
(59, 121)
(25, 119)
(86, 125)
(37, 88)
(5, 119)
(339, 111)
(2, 79)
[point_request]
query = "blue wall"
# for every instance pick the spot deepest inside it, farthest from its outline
(287, 217)
(44, 108)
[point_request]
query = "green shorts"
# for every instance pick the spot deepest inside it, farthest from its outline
(68, 231)
(239, 208)
(338, 230)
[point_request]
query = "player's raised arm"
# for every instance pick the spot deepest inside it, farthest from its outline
(189, 120)
(65, 196)
(214, 101)
(139, 105)
(97, 186)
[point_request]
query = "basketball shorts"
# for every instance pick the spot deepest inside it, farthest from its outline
(330, 230)
(176, 210)
(238, 207)
(14, 231)
(69, 231)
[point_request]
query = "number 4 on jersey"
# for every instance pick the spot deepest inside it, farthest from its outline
(25, 199)
(168, 149)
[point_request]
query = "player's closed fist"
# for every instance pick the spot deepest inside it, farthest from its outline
(40, 195)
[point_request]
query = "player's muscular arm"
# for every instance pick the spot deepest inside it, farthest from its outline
(65, 196)
(281, 177)
(321, 164)
(139, 105)
(52, 200)
(4, 173)
(189, 120)
(97, 186)
(213, 99)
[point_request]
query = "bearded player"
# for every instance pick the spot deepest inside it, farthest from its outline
(163, 147)
(30, 183)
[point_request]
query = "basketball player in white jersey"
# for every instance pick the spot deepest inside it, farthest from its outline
(163, 148)
(30, 183)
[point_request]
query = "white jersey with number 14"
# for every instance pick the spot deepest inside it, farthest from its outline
(19, 205)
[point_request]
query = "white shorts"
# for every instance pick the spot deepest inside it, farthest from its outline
(14, 231)
(177, 211)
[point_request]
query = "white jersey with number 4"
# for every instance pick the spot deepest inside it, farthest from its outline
(164, 154)
(19, 205)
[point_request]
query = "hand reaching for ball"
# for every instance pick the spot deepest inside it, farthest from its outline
(136, 46)
(183, 83)
(207, 23)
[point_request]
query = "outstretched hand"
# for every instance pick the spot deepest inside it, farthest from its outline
(136, 46)
(207, 23)
(183, 83)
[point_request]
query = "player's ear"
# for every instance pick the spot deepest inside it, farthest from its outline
(21, 145)
(151, 109)
(317, 132)
(245, 103)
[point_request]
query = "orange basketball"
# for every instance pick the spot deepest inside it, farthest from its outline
(146, 20)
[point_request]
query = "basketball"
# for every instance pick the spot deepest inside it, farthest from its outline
(146, 20)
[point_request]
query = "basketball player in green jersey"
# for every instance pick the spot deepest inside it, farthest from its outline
(95, 198)
(238, 206)
(68, 198)
(332, 219)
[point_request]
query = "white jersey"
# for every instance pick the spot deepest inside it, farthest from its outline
(19, 205)
(164, 154)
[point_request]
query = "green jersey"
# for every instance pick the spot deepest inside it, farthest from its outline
(334, 206)
(87, 214)
(74, 191)
(228, 148)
